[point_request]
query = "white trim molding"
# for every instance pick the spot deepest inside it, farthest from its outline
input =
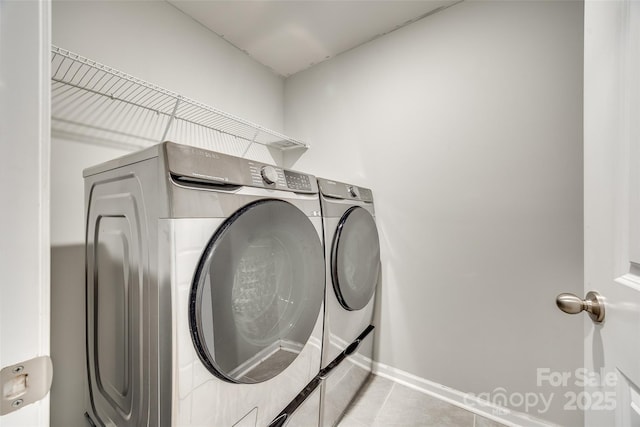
(25, 42)
(455, 397)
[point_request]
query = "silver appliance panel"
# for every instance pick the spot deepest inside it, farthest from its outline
(119, 303)
(200, 398)
(304, 410)
(209, 202)
(343, 379)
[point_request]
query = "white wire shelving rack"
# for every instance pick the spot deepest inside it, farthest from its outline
(95, 103)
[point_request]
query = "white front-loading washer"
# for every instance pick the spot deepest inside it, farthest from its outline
(352, 254)
(204, 289)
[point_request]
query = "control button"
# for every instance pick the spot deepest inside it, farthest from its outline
(296, 181)
(352, 191)
(269, 174)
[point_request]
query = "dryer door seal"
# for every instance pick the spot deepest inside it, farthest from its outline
(257, 292)
(355, 259)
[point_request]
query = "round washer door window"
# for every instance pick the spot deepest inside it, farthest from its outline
(355, 259)
(257, 292)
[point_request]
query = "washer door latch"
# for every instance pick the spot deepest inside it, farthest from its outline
(24, 383)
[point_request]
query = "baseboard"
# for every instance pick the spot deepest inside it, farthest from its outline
(465, 401)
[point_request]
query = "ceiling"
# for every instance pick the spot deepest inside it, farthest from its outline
(290, 36)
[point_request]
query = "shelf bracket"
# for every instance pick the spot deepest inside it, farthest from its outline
(255, 135)
(171, 118)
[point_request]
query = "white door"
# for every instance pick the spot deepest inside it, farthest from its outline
(24, 191)
(612, 212)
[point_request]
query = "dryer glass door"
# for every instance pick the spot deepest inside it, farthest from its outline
(257, 292)
(355, 259)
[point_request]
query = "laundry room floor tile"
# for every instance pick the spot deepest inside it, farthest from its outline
(484, 422)
(365, 406)
(384, 403)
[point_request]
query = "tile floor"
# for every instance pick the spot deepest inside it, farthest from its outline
(383, 402)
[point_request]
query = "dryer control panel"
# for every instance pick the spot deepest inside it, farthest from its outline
(341, 190)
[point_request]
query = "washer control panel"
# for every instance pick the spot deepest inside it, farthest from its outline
(203, 167)
(297, 181)
(266, 175)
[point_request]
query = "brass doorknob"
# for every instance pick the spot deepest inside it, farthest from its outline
(593, 303)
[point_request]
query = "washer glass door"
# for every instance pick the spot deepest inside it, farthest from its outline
(355, 259)
(257, 292)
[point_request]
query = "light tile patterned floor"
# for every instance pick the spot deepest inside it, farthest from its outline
(384, 403)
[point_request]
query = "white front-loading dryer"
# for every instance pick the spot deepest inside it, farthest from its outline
(205, 286)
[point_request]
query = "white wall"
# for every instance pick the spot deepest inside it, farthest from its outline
(468, 127)
(154, 41)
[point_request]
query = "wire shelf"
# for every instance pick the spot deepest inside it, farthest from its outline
(93, 102)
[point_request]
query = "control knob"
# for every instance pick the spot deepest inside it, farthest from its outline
(269, 174)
